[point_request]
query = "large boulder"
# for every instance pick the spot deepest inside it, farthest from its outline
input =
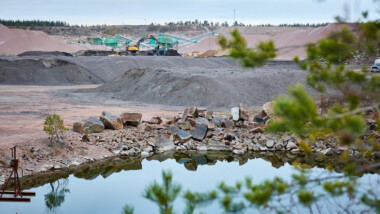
(131, 119)
(78, 126)
(111, 121)
(244, 113)
(217, 121)
(173, 129)
(268, 108)
(163, 143)
(182, 136)
(93, 125)
(193, 112)
(200, 130)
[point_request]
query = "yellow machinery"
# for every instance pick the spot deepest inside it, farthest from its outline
(132, 48)
(118, 53)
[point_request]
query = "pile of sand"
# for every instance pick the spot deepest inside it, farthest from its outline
(289, 43)
(16, 41)
(216, 88)
(209, 53)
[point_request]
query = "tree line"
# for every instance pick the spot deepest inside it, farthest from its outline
(206, 23)
(29, 23)
(196, 22)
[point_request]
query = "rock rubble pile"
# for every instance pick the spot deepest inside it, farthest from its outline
(197, 129)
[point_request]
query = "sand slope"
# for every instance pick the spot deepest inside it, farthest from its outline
(16, 41)
(290, 44)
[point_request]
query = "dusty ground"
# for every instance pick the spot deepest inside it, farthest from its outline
(23, 109)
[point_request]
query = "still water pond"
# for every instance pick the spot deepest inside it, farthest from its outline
(107, 189)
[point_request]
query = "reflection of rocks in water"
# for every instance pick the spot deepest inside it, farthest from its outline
(199, 159)
(276, 161)
(88, 171)
(162, 156)
(114, 166)
(190, 162)
(192, 166)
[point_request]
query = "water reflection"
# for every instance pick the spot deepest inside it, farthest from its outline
(191, 161)
(56, 196)
(130, 177)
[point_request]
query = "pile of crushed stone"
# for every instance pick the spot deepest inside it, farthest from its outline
(216, 88)
(44, 71)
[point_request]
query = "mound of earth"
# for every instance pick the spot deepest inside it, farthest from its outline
(45, 53)
(43, 71)
(94, 53)
(216, 88)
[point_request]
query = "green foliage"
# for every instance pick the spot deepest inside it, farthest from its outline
(338, 188)
(227, 202)
(334, 49)
(296, 112)
(163, 195)
(306, 198)
(372, 202)
(53, 126)
(248, 57)
(261, 194)
(194, 199)
(273, 195)
(127, 209)
(18, 23)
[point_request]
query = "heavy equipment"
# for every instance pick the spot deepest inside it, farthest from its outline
(111, 42)
(94, 40)
(160, 44)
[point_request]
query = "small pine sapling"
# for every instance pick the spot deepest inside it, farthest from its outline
(53, 126)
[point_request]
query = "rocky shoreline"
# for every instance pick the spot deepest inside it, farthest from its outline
(195, 131)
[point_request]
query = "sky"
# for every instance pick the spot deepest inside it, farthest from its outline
(115, 12)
